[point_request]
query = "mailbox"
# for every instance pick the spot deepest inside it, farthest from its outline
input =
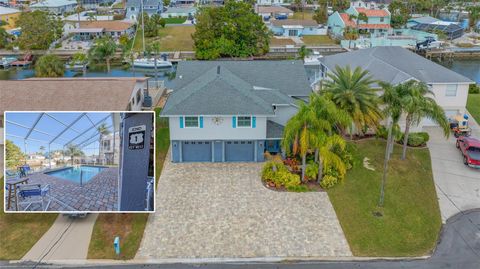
(116, 245)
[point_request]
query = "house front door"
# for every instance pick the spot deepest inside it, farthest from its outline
(292, 32)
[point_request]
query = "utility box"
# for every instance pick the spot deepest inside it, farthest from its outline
(116, 245)
(135, 160)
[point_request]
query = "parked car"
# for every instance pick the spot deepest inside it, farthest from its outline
(470, 148)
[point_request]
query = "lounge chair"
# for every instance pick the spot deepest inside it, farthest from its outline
(29, 194)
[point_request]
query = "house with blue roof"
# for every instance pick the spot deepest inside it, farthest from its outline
(150, 7)
(232, 111)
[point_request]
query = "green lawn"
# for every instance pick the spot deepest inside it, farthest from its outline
(315, 40)
(305, 15)
(473, 106)
(129, 227)
(178, 20)
(411, 218)
(19, 232)
(170, 38)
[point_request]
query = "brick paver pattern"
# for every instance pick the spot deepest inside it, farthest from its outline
(209, 210)
(98, 194)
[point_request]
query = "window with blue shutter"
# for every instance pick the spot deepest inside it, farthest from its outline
(201, 121)
(181, 122)
(254, 122)
(234, 122)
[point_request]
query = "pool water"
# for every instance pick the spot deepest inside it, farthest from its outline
(74, 173)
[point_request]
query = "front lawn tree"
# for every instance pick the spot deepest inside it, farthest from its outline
(321, 14)
(13, 155)
(400, 14)
(232, 30)
(103, 50)
(351, 91)
(49, 65)
(39, 30)
(417, 105)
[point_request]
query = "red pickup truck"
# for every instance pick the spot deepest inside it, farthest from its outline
(470, 148)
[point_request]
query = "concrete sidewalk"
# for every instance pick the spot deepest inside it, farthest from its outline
(67, 239)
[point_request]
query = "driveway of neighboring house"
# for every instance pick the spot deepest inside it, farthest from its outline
(458, 186)
(208, 210)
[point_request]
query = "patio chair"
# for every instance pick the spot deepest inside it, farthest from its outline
(30, 194)
(24, 170)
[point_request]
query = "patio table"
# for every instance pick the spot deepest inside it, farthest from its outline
(12, 190)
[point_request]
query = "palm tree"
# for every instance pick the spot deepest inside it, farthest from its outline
(42, 149)
(49, 65)
(103, 131)
(417, 104)
(82, 58)
(73, 151)
(351, 92)
(104, 49)
(303, 52)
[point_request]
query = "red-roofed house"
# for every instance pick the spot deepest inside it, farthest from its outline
(376, 25)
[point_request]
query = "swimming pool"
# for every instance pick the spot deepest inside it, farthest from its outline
(74, 173)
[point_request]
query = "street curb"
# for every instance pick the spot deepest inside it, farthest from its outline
(326, 259)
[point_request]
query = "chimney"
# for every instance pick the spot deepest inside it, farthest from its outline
(218, 69)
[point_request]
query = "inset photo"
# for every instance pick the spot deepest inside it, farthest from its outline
(79, 162)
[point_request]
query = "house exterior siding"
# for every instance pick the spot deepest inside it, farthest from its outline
(336, 24)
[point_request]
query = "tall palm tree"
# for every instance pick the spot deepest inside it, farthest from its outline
(417, 104)
(104, 49)
(351, 92)
(73, 151)
(49, 65)
(82, 58)
(303, 52)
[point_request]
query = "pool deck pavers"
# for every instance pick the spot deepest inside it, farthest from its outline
(98, 194)
(222, 210)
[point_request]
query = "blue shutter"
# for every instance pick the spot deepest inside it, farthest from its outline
(234, 122)
(254, 122)
(201, 121)
(181, 122)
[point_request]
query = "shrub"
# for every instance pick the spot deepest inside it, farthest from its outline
(425, 135)
(416, 139)
(298, 188)
(311, 171)
(473, 89)
(278, 173)
(328, 181)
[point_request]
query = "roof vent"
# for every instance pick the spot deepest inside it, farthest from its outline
(218, 69)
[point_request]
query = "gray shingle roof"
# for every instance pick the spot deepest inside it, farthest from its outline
(394, 65)
(289, 77)
(274, 130)
(222, 93)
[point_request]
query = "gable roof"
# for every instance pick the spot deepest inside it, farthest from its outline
(272, 9)
(287, 76)
(67, 94)
(346, 19)
(373, 12)
(394, 65)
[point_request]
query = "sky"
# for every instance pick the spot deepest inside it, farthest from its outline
(48, 128)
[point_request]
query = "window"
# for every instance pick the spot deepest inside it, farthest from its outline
(381, 19)
(191, 122)
(244, 122)
(138, 96)
(451, 90)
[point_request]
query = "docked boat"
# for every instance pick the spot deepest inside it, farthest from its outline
(76, 65)
(313, 59)
(150, 63)
(5, 62)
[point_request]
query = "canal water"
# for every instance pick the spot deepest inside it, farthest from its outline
(468, 68)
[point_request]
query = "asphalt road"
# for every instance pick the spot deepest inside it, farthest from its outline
(459, 247)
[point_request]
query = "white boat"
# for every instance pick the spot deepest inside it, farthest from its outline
(313, 59)
(150, 63)
(6, 61)
(75, 65)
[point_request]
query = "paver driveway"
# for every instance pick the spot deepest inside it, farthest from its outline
(207, 210)
(458, 186)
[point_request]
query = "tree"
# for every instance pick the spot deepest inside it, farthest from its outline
(399, 13)
(417, 104)
(91, 17)
(321, 15)
(42, 149)
(49, 65)
(4, 36)
(351, 92)
(350, 33)
(303, 52)
(39, 30)
(80, 58)
(73, 151)
(339, 5)
(362, 17)
(13, 155)
(232, 30)
(166, 3)
(473, 16)
(103, 50)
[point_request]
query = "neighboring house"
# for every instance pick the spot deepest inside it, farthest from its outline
(272, 11)
(270, 2)
(450, 29)
(92, 4)
(292, 27)
(421, 20)
(396, 65)
(371, 4)
(57, 7)
(9, 15)
(89, 30)
(108, 147)
(377, 24)
(227, 111)
(150, 7)
(173, 12)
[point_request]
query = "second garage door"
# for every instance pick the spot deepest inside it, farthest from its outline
(196, 151)
(239, 151)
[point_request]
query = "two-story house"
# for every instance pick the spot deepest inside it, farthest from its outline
(227, 111)
(150, 7)
(397, 65)
(374, 22)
